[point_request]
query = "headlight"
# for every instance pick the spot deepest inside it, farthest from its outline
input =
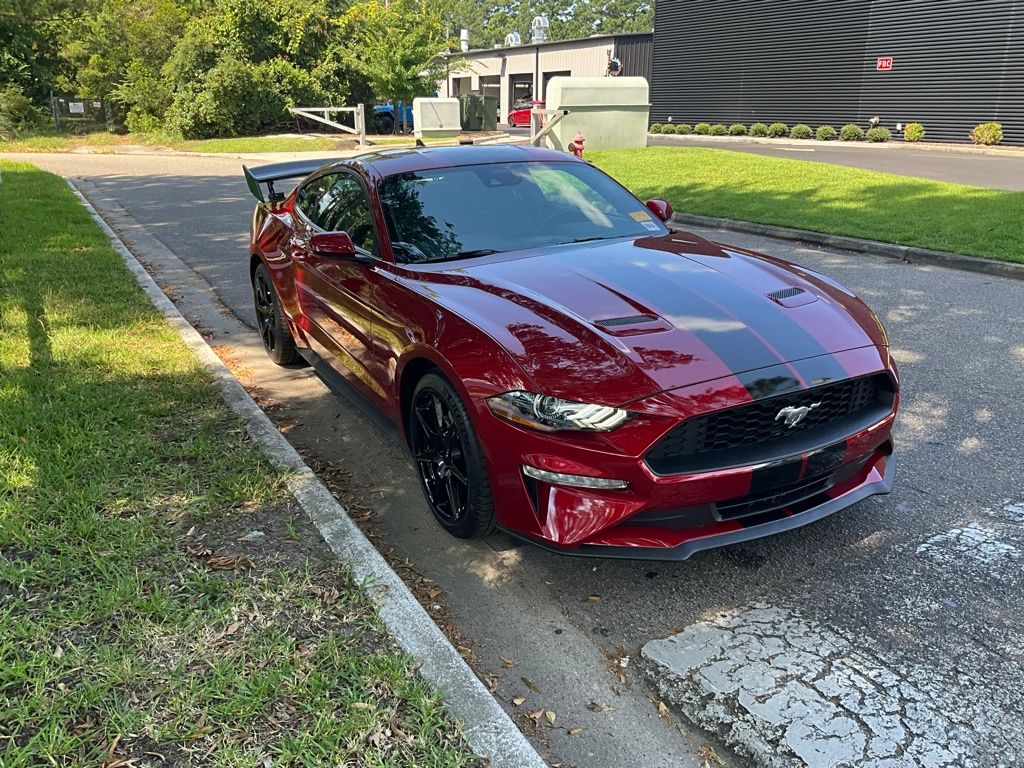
(552, 414)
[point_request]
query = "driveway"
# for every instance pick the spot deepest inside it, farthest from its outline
(888, 634)
(975, 169)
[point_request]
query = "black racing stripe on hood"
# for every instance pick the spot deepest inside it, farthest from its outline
(786, 335)
(738, 347)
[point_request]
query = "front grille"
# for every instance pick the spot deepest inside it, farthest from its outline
(757, 432)
(776, 491)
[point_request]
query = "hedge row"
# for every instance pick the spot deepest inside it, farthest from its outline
(986, 133)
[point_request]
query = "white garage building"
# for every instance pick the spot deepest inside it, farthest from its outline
(519, 73)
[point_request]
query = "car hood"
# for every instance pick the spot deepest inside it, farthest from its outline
(616, 321)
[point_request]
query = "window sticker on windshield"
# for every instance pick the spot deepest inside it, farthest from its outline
(650, 225)
(640, 216)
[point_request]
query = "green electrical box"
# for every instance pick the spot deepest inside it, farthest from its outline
(478, 113)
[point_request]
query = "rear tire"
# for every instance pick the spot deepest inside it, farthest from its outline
(449, 461)
(385, 124)
(270, 322)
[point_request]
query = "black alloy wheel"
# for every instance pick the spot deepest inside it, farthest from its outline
(277, 339)
(448, 458)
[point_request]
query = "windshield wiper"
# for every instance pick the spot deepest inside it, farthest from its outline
(461, 255)
(596, 237)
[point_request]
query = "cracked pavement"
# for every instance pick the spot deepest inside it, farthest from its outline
(790, 693)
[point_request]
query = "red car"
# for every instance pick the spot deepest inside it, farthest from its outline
(519, 115)
(594, 381)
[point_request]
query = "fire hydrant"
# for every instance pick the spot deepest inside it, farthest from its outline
(576, 147)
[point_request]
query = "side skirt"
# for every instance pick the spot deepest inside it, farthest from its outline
(339, 386)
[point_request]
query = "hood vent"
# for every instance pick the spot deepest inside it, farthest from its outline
(792, 297)
(615, 322)
(785, 293)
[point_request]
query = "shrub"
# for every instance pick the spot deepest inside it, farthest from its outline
(758, 129)
(851, 132)
(801, 131)
(913, 132)
(825, 133)
(988, 133)
(719, 130)
(684, 128)
(668, 128)
(655, 128)
(139, 121)
(737, 129)
(702, 128)
(775, 130)
(878, 134)
(18, 114)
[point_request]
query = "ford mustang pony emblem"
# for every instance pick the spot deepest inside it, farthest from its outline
(794, 415)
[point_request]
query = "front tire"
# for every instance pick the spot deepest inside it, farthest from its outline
(449, 460)
(270, 322)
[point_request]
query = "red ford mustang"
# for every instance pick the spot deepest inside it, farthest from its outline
(561, 363)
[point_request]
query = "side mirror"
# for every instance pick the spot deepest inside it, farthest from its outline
(660, 208)
(332, 244)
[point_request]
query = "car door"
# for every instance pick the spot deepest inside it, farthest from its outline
(336, 292)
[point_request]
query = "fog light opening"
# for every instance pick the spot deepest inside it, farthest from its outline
(575, 481)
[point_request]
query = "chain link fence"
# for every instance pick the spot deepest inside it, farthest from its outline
(75, 114)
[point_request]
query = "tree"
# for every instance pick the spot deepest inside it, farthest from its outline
(395, 45)
(30, 37)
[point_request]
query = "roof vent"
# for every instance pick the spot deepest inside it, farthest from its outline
(614, 322)
(539, 25)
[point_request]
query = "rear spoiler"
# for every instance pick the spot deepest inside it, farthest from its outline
(268, 174)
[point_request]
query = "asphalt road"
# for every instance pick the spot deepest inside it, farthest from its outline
(916, 596)
(979, 170)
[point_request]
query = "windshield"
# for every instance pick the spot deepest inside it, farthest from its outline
(449, 213)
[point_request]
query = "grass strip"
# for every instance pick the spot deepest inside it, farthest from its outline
(162, 599)
(240, 145)
(824, 197)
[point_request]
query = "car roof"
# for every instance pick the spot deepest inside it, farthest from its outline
(387, 162)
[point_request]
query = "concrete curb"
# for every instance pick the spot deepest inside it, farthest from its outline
(971, 149)
(908, 254)
(488, 729)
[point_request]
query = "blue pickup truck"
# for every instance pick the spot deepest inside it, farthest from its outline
(384, 117)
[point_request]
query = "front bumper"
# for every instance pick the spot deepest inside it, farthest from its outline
(673, 516)
(878, 481)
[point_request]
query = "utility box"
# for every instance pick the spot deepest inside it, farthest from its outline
(436, 118)
(610, 112)
(479, 113)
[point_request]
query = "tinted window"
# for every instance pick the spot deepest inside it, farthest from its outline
(349, 211)
(314, 199)
(446, 213)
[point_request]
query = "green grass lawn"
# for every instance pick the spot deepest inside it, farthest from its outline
(825, 198)
(104, 139)
(137, 624)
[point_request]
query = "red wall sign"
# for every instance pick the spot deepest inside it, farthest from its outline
(884, 63)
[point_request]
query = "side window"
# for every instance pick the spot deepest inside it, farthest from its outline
(315, 199)
(349, 211)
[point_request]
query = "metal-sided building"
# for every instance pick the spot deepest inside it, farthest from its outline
(521, 72)
(949, 64)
